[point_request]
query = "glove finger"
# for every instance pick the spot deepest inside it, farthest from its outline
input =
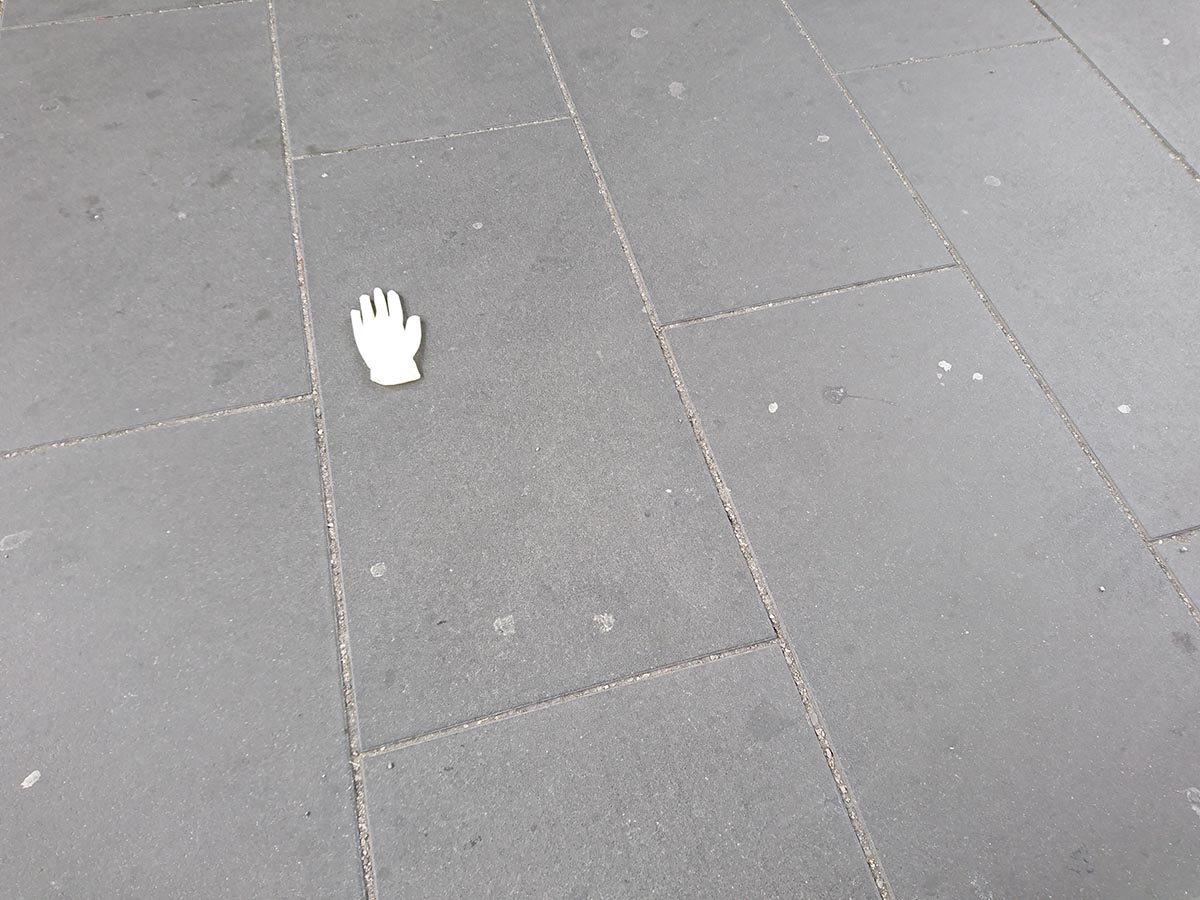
(360, 332)
(393, 303)
(380, 307)
(367, 312)
(412, 331)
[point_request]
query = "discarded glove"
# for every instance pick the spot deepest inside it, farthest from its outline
(385, 341)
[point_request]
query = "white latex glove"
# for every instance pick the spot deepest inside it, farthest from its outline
(385, 341)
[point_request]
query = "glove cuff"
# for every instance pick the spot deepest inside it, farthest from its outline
(399, 372)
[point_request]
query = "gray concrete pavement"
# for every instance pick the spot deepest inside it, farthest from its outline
(800, 499)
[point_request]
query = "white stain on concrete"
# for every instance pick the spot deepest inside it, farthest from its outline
(605, 622)
(676, 88)
(378, 569)
(991, 181)
(1125, 409)
(1193, 799)
(637, 33)
(822, 138)
(476, 225)
(945, 366)
(31, 779)
(978, 376)
(15, 540)
(1166, 42)
(772, 407)
(505, 626)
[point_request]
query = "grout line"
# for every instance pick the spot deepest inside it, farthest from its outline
(1008, 333)
(1170, 148)
(349, 700)
(153, 426)
(1181, 532)
(433, 137)
(815, 295)
(129, 15)
(811, 710)
(559, 699)
(952, 55)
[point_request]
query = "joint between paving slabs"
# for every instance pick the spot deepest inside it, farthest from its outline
(154, 426)
(565, 697)
(349, 700)
(812, 712)
(128, 15)
(1174, 153)
(433, 137)
(814, 295)
(1001, 323)
(922, 59)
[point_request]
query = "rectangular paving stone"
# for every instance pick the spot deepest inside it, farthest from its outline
(1083, 231)
(1008, 678)
(705, 783)
(375, 71)
(28, 12)
(740, 172)
(533, 515)
(146, 264)
(169, 683)
(1151, 51)
(876, 32)
(1182, 553)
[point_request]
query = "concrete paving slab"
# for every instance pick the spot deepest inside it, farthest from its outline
(1008, 677)
(878, 32)
(374, 71)
(1182, 553)
(647, 790)
(739, 170)
(1151, 51)
(533, 515)
(1084, 233)
(148, 268)
(168, 669)
(30, 12)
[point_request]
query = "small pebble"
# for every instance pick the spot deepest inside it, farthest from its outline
(772, 407)
(1166, 42)
(1125, 409)
(978, 376)
(1183, 549)
(391, 765)
(822, 138)
(1102, 589)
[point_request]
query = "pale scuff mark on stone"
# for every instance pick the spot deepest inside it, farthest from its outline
(15, 540)
(605, 622)
(505, 626)
(31, 779)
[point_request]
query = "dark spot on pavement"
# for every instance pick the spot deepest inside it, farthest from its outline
(221, 178)
(1183, 641)
(1081, 863)
(262, 315)
(223, 372)
(154, 93)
